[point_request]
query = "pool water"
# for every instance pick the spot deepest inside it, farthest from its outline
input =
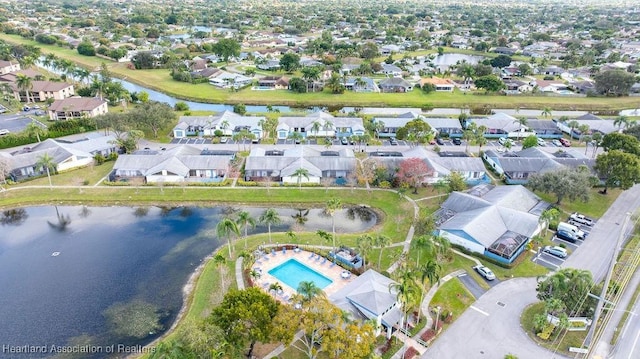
(293, 272)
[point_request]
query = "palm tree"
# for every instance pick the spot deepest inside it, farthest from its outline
(299, 173)
(548, 216)
(296, 137)
(255, 275)
(33, 129)
(621, 121)
(220, 260)
(573, 125)
(406, 293)
(309, 290)
(480, 139)
(269, 217)
(443, 247)
(429, 271)
(332, 206)
(46, 162)
(275, 287)
(24, 84)
(315, 127)
(422, 243)
(546, 112)
(584, 131)
(364, 243)
(226, 228)
(523, 123)
(382, 242)
(335, 84)
(359, 83)
(245, 221)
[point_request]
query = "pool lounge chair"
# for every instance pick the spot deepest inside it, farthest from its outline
(284, 250)
(273, 252)
(332, 264)
(312, 255)
(323, 261)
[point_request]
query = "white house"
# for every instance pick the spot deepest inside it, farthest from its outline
(227, 122)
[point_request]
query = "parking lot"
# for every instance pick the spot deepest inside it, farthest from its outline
(191, 141)
(552, 262)
(15, 123)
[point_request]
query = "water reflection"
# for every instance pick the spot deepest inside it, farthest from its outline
(140, 212)
(302, 216)
(62, 223)
(363, 213)
(13, 217)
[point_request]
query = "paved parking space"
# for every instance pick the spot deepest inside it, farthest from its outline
(191, 141)
(15, 123)
(552, 262)
(473, 286)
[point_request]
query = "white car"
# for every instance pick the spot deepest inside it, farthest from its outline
(541, 142)
(503, 141)
(555, 251)
(224, 139)
(4, 132)
(485, 272)
(579, 218)
(556, 143)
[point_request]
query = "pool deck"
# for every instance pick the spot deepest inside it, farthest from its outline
(270, 261)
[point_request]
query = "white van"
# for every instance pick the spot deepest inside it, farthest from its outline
(562, 226)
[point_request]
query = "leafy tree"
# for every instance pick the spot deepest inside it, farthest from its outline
(331, 207)
(412, 172)
(525, 69)
(369, 50)
(418, 127)
(152, 116)
(227, 228)
(144, 60)
(456, 182)
(621, 141)
(179, 106)
(618, 168)
(297, 85)
(289, 62)
(240, 109)
(47, 163)
(86, 48)
(481, 70)
(324, 330)
(270, 217)
(614, 82)
(570, 183)
(530, 141)
(335, 84)
(428, 88)
(490, 83)
(501, 61)
(227, 48)
(245, 221)
(548, 216)
(570, 286)
(245, 317)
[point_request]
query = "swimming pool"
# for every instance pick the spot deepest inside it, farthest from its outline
(293, 272)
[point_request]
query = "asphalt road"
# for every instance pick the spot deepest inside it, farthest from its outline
(476, 290)
(14, 122)
(490, 328)
(628, 345)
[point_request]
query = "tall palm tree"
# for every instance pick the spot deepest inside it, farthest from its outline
(573, 125)
(296, 137)
(359, 83)
(245, 221)
(227, 228)
(275, 287)
(443, 247)
(24, 84)
(546, 112)
(270, 216)
(299, 173)
(480, 140)
(548, 216)
(46, 162)
(430, 271)
(220, 260)
(315, 127)
(584, 131)
(33, 129)
(406, 293)
(522, 121)
(423, 243)
(331, 207)
(382, 242)
(309, 290)
(364, 243)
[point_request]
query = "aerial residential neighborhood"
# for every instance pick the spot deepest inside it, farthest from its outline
(319, 179)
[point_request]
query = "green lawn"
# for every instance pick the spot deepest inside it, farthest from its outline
(91, 174)
(570, 339)
(595, 207)
(160, 80)
(452, 296)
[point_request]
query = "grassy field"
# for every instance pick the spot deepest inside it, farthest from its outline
(161, 81)
(452, 296)
(87, 176)
(596, 206)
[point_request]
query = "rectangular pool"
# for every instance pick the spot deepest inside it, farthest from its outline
(293, 272)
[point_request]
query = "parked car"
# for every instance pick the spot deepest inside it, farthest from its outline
(565, 142)
(393, 141)
(224, 139)
(439, 141)
(566, 236)
(485, 272)
(556, 251)
(556, 143)
(255, 140)
(504, 140)
(541, 142)
(26, 108)
(579, 218)
(344, 141)
(571, 228)
(4, 131)
(456, 141)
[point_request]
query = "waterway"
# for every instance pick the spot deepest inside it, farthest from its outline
(65, 271)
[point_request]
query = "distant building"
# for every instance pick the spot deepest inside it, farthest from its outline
(8, 66)
(77, 107)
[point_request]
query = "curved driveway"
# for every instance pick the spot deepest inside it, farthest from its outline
(490, 330)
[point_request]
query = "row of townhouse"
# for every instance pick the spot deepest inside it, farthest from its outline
(187, 163)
